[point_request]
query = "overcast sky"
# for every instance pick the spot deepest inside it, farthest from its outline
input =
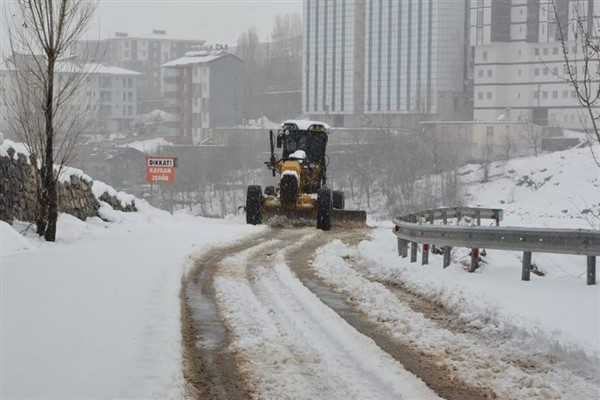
(216, 21)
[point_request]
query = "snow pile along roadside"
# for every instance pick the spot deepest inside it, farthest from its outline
(96, 314)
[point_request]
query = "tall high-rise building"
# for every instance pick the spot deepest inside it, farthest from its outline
(519, 67)
(370, 58)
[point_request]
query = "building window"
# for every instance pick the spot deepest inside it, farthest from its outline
(519, 71)
(565, 94)
(485, 56)
(489, 95)
(536, 71)
(481, 73)
(480, 95)
(555, 70)
(555, 94)
(489, 73)
(519, 95)
(545, 48)
(544, 94)
(555, 51)
(536, 94)
(489, 131)
(537, 51)
(573, 93)
(545, 71)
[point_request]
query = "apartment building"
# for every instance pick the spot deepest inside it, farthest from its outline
(519, 67)
(372, 59)
(117, 97)
(203, 90)
(144, 54)
(106, 96)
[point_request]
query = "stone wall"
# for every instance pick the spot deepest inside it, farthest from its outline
(18, 192)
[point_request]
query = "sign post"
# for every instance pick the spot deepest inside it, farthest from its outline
(161, 170)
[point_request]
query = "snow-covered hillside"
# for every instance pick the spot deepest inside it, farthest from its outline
(96, 314)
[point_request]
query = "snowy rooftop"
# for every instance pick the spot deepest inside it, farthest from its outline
(68, 66)
(159, 36)
(109, 69)
(196, 57)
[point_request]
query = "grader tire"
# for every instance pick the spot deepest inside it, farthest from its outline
(324, 209)
(253, 199)
(339, 200)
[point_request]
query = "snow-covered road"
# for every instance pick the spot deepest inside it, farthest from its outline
(304, 315)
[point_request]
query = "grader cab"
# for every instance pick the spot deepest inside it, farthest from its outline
(302, 190)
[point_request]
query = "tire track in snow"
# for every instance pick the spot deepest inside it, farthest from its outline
(209, 369)
(473, 361)
(290, 344)
(424, 366)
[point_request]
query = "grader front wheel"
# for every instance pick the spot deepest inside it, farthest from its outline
(253, 199)
(324, 209)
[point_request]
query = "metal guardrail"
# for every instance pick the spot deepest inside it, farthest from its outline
(420, 228)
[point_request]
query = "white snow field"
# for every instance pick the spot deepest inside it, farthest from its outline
(96, 315)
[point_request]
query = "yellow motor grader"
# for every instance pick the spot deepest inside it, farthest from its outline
(302, 191)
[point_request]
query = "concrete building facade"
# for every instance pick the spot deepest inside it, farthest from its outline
(144, 54)
(203, 90)
(385, 58)
(106, 96)
(519, 67)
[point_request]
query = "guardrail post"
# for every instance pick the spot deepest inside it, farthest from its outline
(458, 216)
(591, 270)
(431, 217)
(526, 266)
(425, 257)
(478, 217)
(474, 259)
(497, 217)
(413, 252)
(445, 217)
(447, 251)
(402, 247)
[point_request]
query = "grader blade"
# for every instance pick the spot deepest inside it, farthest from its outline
(349, 218)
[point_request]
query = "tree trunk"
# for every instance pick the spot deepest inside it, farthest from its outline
(51, 202)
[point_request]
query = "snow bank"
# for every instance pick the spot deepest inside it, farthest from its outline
(99, 188)
(19, 148)
(96, 314)
(11, 241)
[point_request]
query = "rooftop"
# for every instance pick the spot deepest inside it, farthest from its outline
(197, 57)
(157, 34)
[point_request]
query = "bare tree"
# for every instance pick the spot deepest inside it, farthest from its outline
(485, 159)
(532, 135)
(581, 54)
(507, 145)
(46, 97)
(284, 64)
(248, 50)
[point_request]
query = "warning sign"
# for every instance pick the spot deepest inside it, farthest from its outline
(160, 169)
